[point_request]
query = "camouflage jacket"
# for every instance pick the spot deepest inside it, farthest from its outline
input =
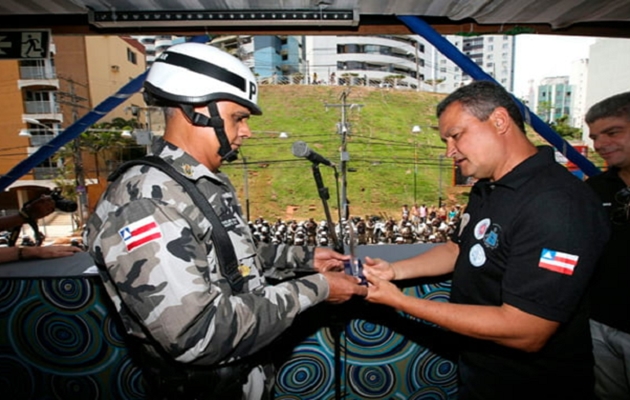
(155, 252)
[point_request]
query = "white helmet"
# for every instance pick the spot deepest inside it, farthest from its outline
(195, 74)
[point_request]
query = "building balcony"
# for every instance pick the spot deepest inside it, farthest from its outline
(41, 107)
(40, 140)
(45, 172)
(38, 76)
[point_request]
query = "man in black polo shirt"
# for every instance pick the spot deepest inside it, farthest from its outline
(609, 126)
(521, 258)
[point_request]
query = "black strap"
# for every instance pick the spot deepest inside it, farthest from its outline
(228, 262)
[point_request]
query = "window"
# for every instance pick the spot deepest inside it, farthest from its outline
(131, 56)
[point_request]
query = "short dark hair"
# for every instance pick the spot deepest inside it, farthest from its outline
(481, 98)
(614, 106)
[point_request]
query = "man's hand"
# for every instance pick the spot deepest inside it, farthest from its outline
(379, 268)
(343, 287)
(326, 259)
(40, 208)
(383, 292)
(49, 251)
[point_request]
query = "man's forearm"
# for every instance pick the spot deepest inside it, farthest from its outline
(437, 261)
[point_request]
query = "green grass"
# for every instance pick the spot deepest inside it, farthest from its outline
(381, 147)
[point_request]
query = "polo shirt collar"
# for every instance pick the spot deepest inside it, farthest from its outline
(526, 170)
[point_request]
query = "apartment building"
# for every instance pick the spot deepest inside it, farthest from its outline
(41, 97)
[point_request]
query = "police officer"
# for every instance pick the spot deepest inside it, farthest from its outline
(154, 247)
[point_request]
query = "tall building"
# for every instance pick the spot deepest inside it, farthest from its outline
(608, 72)
(42, 97)
(154, 45)
(272, 58)
(578, 81)
(492, 53)
(554, 98)
(368, 60)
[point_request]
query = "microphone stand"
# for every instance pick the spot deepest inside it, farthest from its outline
(325, 195)
(337, 324)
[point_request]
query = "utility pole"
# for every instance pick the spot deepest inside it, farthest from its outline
(343, 130)
(74, 100)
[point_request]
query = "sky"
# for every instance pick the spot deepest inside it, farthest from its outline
(541, 56)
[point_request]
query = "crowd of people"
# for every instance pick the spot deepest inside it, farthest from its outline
(419, 225)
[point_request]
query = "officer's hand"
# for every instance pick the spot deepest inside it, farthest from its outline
(343, 287)
(379, 268)
(326, 259)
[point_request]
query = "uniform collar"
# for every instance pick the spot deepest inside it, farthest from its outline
(183, 162)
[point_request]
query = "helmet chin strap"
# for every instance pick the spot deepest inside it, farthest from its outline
(216, 122)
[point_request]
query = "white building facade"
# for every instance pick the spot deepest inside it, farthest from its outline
(399, 60)
(492, 53)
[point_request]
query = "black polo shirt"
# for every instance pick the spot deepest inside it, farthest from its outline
(610, 292)
(530, 240)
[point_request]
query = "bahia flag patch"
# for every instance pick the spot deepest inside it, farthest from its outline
(140, 232)
(558, 262)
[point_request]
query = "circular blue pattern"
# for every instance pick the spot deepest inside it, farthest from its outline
(57, 342)
(75, 387)
(128, 382)
(430, 393)
(368, 343)
(12, 291)
(372, 382)
(429, 369)
(68, 293)
(308, 374)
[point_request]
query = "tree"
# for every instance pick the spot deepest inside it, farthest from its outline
(562, 127)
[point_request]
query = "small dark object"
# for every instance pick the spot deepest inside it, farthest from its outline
(61, 203)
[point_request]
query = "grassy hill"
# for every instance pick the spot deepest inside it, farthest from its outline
(384, 154)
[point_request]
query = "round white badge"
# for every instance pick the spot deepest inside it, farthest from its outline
(477, 255)
(481, 228)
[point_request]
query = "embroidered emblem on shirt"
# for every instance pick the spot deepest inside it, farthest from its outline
(187, 169)
(556, 261)
(140, 233)
(481, 227)
(477, 255)
(244, 270)
(491, 238)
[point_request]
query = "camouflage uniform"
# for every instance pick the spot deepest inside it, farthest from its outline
(156, 255)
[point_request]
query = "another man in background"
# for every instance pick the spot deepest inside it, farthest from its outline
(609, 126)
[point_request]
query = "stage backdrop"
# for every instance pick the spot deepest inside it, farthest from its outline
(60, 339)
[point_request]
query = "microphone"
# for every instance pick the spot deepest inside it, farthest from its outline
(300, 149)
